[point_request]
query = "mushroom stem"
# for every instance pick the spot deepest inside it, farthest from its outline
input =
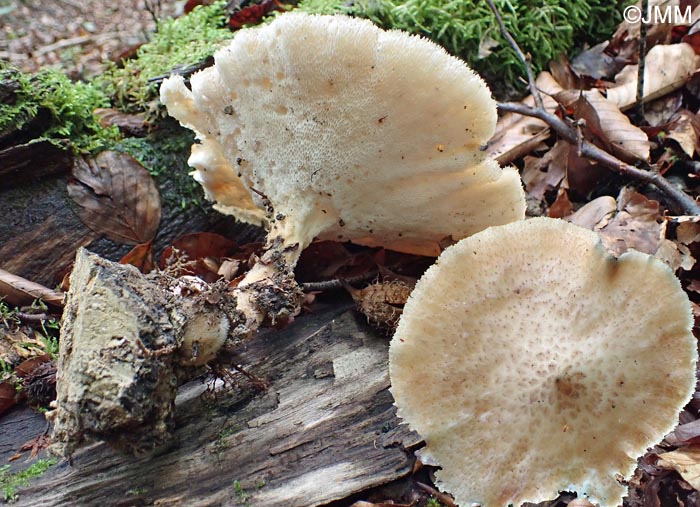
(269, 290)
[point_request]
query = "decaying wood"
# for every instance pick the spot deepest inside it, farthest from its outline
(323, 430)
(127, 342)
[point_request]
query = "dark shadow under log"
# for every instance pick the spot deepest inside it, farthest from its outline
(325, 429)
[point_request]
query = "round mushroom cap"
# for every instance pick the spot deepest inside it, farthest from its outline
(532, 362)
(351, 132)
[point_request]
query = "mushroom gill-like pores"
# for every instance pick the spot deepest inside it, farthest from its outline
(345, 131)
(544, 363)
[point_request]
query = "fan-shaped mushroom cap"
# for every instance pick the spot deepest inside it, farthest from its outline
(531, 362)
(350, 131)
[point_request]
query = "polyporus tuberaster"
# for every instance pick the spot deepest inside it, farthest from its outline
(545, 364)
(348, 132)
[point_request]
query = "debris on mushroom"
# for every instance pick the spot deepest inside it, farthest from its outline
(345, 132)
(546, 363)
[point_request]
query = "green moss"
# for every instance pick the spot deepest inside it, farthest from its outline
(9, 482)
(64, 106)
(544, 28)
(164, 154)
(178, 43)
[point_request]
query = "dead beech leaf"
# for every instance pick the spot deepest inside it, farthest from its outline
(541, 175)
(596, 63)
(130, 124)
(116, 197)
(141, 256)
(660, 78)
(561, 207)
(685, 130)
(605, 120)
(518, 135)
(684, 461)
(201, 251)
(595, 214)
(637, 224)
(685, 434)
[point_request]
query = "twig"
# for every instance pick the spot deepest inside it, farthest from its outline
(642, 59)
(679, 199)
(337, 283)
(524, 59)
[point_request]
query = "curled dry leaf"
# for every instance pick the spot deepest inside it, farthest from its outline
(685, 130)
(129, 124)
(660, 78)
(685, 434)
(595, 62)
(140, 256)
(541, 175)
(632, 222)
(684, 461)
(518, 135)
(19, 291)
(201, 252)
(605, 120)
(562, 206)
(116, 197)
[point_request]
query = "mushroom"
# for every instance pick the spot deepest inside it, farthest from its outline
(329, 127)
(544, 363)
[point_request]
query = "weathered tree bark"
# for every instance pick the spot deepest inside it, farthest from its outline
(323, 430)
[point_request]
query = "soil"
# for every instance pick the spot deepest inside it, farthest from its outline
(76, 36)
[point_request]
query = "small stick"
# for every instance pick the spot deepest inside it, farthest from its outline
(679, 199)
(337, 283)
(524, 59)
(642, 60)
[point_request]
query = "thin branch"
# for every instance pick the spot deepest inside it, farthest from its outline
(337, 283)
(524, 59)
(642, 60)
(679, 199)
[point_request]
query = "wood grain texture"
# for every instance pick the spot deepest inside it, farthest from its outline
(324, 429)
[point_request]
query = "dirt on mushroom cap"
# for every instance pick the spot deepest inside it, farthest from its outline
(546, 364)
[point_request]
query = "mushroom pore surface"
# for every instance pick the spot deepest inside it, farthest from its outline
(544, 363)
(351, 132)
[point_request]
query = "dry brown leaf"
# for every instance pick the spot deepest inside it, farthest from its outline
(685, 130)
(660, 78)
(660, 111)
(141, 256)
(633, 222)
(197, 254)
(595, 214)
(684, 461)
(688, 231)
(562, 206)
(605, 120)
(637, 224)
(518, 135)
(18, 291)
(130, 124)
(540, 175)
(116, 197)
(229, 269)
(685, 434)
